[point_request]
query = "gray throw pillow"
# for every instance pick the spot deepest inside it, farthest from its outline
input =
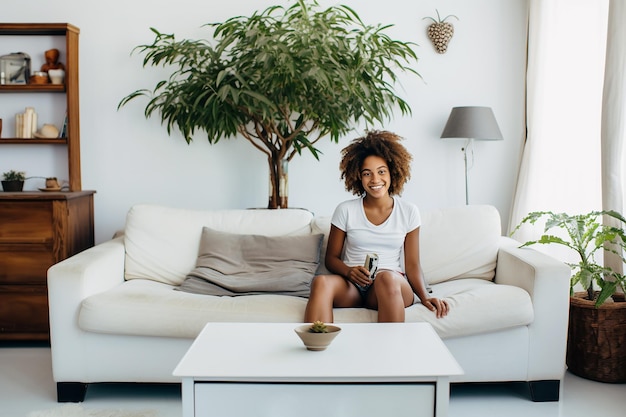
(236, 264)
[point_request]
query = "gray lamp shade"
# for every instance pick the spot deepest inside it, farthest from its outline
(472, 122)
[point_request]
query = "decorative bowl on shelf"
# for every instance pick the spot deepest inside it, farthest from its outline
(317, 341)
(39, 77)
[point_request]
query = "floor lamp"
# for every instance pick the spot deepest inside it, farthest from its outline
(471, 123)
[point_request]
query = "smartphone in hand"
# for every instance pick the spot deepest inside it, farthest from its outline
(371, 264)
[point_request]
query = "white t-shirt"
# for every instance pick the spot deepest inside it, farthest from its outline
(386, 239)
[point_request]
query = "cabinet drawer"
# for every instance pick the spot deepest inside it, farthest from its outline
(25, 264)
(23, 309)
(22, 221)
(294, 399)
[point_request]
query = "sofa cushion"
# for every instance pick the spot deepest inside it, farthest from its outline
(237, 264)
(460, 242)
(479, 306)
(149, 308)
(162, 242)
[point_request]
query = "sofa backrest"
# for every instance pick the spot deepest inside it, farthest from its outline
(458, 242)
(162, 242)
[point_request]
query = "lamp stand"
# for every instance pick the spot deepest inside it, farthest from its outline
(467, 146)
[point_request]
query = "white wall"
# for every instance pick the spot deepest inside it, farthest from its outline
(128, 159)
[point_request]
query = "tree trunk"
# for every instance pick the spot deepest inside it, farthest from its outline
(279, 183)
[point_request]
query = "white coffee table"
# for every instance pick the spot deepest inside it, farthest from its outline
(263, 369)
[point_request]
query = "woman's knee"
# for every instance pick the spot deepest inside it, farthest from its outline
(388, 279)
(336, 289)
(322, 283)
(319, 281)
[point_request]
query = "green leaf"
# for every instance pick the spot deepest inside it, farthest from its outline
(607, 290)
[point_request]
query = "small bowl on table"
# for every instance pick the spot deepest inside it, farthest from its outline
(317, 341)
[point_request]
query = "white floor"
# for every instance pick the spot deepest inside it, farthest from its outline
(26, 385)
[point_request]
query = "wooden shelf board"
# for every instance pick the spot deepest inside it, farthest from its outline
(34, 141)
(32, 88)
(37, 29)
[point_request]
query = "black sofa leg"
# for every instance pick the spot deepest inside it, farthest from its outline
(71, 392)
(542, 391)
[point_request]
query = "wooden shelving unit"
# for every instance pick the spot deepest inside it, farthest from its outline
(70, 88)
(39, 229)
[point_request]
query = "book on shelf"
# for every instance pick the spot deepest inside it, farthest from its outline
(30, 123)
(19, 125)
(63, 131)
(26, 124)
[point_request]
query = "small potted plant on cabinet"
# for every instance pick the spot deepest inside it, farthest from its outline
(596, 345)
(13, 180)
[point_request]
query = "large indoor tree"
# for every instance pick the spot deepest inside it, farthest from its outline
(283, 78)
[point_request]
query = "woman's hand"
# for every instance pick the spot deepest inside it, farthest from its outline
(359, 275)
(441, 307)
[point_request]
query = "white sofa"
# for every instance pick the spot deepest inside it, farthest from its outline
(115, 316)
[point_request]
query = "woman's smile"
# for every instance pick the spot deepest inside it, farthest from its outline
(375, 175)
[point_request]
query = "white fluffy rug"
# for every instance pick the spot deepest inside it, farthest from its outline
(75, 410)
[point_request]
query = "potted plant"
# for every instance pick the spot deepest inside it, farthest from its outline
(283, 78)
(596, 345)
(13, 180)
(317, 335)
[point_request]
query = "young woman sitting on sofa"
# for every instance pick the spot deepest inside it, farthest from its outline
(374, 167)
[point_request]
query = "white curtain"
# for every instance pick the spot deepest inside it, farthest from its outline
(560, 169)
(614, 119)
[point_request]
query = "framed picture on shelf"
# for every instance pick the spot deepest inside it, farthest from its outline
(15, 68)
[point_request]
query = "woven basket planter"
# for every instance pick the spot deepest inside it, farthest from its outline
(596, 343)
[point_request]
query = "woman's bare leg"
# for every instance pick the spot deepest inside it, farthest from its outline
(390, 295)
(328, 291)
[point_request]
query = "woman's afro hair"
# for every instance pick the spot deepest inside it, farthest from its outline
(379, 143)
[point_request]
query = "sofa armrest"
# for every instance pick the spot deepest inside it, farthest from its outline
(531, 270)
(546, 279)
(70, 281)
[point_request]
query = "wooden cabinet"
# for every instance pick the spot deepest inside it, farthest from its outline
(39, 229)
